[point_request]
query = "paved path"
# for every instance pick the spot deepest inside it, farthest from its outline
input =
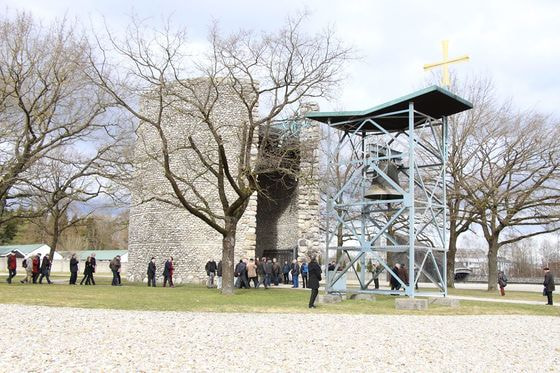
(50, 339)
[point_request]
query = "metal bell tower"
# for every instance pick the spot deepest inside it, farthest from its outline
(392, 206)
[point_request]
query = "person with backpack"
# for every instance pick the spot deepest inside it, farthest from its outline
(502, 282)
(12, 265)
(28, 265)
(73, 269)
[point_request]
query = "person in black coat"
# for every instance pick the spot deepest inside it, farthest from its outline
(549, 286)
(73, 269)
(241, 273)
(93, 267)
(45, 269)
(210, 268)
(314, 278)
(152, 272)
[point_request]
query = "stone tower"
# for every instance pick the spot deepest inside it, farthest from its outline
(285, 220)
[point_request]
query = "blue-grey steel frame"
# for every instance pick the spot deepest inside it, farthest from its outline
(419, 197)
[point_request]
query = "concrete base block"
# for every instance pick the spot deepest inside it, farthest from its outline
(448, 302)
(329, 298)
(369, 297)
(411, 304)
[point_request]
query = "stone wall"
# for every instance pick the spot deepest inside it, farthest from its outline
(161, 227)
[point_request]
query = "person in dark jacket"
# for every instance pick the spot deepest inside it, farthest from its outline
(168, 272)
(115, 267)
(45, 269)
(295, 273)
(152, 272)
(241, 273)
(36, 263)
(219, 274)
(304, 274)
(12, 265)
(549, 286)
(93, 268)
(395, 284)
(88, 270)
(260, 271)
(211, 268)
(267, 273)
(502, 282)
(314, 271)
(73, 269)
(276, 272)
(286, 272)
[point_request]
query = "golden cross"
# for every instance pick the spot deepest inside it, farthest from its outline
(445, 63)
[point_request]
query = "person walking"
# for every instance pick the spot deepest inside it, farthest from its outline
(260, 271)
(267, 273)
(210, 272)
(88, 270)
(241, 272)
(314, 271)
(73, 269)
(115, 266)
(28, 265)
(36, 267)
(12, 265)
(549, 286)
(152, 272)
(219, 274)
(276, 272)
(286, 272)
(295, 273)
(93, 268)
(304, 274)
(46, 269)
(168, 272)
(252, 273)
(502, 282)
(395, 284)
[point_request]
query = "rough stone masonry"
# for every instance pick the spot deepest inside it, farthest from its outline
(161, 228)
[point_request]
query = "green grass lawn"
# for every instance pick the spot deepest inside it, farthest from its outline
(199, 298)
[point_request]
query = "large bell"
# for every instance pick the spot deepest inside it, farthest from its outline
(380, 188)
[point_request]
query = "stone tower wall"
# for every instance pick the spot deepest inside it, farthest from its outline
(159, 227)
(163, 229)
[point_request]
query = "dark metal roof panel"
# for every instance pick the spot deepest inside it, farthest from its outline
(433, 101)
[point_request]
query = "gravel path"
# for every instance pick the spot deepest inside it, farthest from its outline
(113, 340)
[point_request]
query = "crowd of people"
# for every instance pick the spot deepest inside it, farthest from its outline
(264, 272)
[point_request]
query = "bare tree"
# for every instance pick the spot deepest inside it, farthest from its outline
(267, 73)
(66, 182)
(46, 100)
(462, 162)
(514, 189)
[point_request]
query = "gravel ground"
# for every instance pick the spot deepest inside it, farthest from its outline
(50, 339)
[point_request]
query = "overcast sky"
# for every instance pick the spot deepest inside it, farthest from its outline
(516, 43)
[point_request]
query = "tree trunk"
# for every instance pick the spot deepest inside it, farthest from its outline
(492, 265)
(55, 234)
(451, 253)
(228, 250)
